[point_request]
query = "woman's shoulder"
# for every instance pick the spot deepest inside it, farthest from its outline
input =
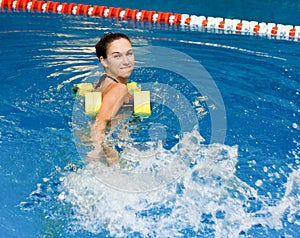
(116, 89)
(120, 87)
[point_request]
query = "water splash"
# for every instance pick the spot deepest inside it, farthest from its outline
(206, 200)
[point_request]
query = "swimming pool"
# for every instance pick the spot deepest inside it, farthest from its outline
(246, 185)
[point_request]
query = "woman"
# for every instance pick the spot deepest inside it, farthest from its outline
(114, 50)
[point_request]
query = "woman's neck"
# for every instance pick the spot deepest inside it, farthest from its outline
(117, 79)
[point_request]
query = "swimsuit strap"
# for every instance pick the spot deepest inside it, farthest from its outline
(102, 78)
(100, 81)
(113, 79)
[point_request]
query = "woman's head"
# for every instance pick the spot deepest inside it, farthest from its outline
(106, 39)
(114, 51)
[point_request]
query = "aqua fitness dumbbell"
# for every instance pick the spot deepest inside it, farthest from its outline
(141, 103)
(92, 103)
(80, 89)
(93, 100)
(141, 100)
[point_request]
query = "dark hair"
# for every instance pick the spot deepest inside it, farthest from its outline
(106, 39)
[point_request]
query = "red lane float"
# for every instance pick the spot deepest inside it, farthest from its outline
(277, 31)
(98, 11)
(130, 14)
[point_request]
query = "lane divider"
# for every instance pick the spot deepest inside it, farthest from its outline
(277, 31)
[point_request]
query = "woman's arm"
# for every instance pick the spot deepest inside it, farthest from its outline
(112, 101)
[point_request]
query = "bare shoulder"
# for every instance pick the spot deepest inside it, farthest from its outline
(112, 101)
(116, 92)
(119, 88)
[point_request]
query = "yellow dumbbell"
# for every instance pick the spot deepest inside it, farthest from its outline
(81, 89)
(92, 103)
(142, 103)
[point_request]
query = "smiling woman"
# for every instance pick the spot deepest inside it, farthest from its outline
(114, 51)
(240, 92)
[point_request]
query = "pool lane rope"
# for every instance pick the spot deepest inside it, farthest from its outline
(219, 24)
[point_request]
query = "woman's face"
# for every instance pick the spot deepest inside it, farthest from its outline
(120, 59)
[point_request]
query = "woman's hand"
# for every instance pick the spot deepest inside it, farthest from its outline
(97, 141)
(111, 155)
(101, 149)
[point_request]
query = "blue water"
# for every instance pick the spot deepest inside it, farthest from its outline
(237, 180)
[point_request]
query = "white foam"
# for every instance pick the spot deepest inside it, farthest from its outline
(204, 196)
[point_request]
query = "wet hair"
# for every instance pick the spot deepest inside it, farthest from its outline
(106, 39)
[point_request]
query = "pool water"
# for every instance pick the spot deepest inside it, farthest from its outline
(176, 179)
